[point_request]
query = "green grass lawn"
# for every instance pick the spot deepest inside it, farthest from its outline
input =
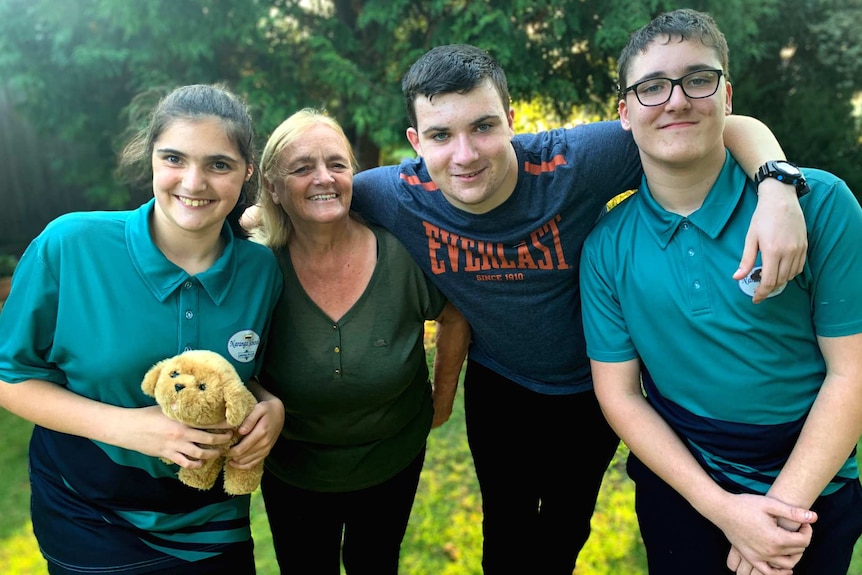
(443, 537)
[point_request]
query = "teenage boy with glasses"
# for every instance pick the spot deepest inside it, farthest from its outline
(761, 405)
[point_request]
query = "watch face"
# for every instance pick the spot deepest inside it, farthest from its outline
(788, 168)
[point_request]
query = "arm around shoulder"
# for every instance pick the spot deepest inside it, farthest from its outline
(777, 227)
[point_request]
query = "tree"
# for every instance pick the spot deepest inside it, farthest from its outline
(350, 54)
(75, 65)
(804, 85)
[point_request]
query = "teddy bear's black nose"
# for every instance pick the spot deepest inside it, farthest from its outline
(179, 387)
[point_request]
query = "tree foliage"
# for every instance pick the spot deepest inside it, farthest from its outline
(74, 66)
(803, 86)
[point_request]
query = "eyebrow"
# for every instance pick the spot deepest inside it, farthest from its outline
(480, 120)
(213, 158)
(687, 70)
(309, 158)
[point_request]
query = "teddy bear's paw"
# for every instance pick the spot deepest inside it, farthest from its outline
(242, 481)
(203, 478)
(196, 482)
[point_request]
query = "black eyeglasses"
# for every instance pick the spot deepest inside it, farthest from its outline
(695, 85)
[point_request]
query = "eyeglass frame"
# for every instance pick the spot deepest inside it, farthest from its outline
(673, 84)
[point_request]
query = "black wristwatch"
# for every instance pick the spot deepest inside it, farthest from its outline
(783, 171)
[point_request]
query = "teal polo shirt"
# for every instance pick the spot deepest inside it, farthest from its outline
(735, 379)
(94, 304)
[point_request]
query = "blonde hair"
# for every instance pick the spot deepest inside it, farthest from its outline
(274, 229)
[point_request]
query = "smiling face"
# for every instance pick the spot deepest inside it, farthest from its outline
(683, 131)
(465, 140)
(315, 178)
(198, 173)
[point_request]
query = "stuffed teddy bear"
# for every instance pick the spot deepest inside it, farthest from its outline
(200, 387)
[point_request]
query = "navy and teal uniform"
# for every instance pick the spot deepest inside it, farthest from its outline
(735, 380)
(94, 304)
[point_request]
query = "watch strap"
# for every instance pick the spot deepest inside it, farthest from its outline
(771, 169)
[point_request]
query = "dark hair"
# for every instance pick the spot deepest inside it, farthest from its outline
(452, 68)
(679, 26)
(195, 102)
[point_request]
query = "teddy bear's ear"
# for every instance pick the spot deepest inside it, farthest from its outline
(148, 385)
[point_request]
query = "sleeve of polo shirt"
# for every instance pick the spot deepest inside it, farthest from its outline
(29, 318)
(605, 328)
(834, 220)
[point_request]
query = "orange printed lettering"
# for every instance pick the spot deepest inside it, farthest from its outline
(501, 253)
(543, 250)
(525, 260)
(558, 244)
(545, 263)
(471, 262)
(432, 232)
(451, 241)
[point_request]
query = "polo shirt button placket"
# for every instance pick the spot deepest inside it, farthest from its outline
(693, 266)
(189, 328)
(336, 350)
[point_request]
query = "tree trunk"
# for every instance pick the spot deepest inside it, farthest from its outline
(5, 286)
(367, 152)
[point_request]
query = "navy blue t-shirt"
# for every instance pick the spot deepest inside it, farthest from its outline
(513, 271)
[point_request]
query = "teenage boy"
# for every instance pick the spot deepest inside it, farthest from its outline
(744, 407)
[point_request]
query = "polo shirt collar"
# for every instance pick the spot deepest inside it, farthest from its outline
(162, 276)
(711, 217)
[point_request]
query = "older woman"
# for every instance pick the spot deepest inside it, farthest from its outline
(346, 356)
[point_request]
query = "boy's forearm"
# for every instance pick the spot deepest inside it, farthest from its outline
(751, 143)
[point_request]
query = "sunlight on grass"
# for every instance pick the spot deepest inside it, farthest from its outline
(19, 554)
(447, 489)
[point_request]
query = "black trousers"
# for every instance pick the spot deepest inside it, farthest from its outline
(540, 460)
(677, 537)
(312, 531)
